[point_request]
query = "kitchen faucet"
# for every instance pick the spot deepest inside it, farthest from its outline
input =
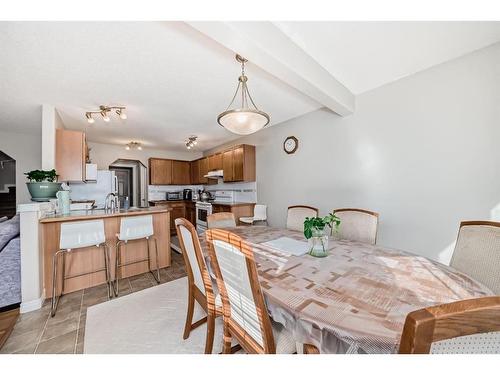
(111, 204)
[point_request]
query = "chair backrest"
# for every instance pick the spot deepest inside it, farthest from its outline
(260, 212)
(357, 225)
(466, 327)
(221, 220)
(135, 227)
(297, 214)
(245, 312)
(77, 234)
(193, 257)
(477, 252)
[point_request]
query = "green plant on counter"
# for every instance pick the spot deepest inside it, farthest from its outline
(38, 175)
(315, 225)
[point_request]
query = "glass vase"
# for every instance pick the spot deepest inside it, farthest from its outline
(318, 243)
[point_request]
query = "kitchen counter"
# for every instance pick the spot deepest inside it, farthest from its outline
(101, 214)
(90, 258)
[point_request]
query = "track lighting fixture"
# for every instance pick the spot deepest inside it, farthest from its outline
(90, 119)
(191, 142)
(104, 112)
(133, 146)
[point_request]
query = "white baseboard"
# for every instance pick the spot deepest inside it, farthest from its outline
(31, 305)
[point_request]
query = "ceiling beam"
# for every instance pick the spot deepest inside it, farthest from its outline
(266, 46)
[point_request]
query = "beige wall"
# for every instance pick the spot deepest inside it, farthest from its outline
(27, 150)
(423, 152)
(104, 154)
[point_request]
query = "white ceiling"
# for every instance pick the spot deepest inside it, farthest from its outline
(366, 55)
(175, 80)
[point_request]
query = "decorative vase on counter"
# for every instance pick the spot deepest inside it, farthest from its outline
(43, 191)
(318, 243)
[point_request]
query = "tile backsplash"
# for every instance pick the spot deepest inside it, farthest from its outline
(243, 191)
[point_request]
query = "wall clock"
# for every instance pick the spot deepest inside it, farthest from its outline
(291, 145)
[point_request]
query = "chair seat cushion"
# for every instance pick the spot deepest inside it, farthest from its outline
(283, 339)
(247, 220)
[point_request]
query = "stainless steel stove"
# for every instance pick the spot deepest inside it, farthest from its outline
(203, 209)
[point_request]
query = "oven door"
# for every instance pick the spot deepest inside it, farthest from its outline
(201, 216)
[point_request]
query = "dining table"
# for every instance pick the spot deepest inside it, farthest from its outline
(354, 300)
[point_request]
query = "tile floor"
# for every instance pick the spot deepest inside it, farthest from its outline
(36, 332)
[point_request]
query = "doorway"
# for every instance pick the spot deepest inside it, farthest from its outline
(7, 185)
(124, 176)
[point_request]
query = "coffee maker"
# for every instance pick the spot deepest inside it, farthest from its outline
(187, 194)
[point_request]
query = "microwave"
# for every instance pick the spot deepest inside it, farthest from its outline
(174, 196)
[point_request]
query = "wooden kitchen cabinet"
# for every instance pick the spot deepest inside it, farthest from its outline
(181, 174)
(195, 172)
(203, 171)
(215, 162)
(71, 150)
(191, 212)
(178, 210)
(160, 171)
(238, 164)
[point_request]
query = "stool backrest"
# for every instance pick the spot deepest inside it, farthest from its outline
(77, 234)
(135, 227)
(260, 212)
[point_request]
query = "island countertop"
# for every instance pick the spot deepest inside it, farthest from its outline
(101, 213)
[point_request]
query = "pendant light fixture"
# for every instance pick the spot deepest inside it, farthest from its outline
(247, 118)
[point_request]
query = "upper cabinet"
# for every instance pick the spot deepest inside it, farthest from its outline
(215, 162)
(195, 172)
(181, 172)
(169, 172)
(238, 164)
(160, 171)
(71, 152)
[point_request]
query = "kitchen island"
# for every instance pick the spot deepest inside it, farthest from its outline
(88, 259)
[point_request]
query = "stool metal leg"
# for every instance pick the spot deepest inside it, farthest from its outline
(106, 269)
(157, 276)
(117, 266)
(55, 298)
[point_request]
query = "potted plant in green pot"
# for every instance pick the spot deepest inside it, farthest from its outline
(42, 185)
(317, 231)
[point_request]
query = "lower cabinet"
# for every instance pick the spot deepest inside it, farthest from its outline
(180, 209)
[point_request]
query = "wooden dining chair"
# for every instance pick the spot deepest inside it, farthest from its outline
(477, 252)
(297, 214)
(244, 311)
(463, 327)
(221, 220)
(200, 288)
(357, 225)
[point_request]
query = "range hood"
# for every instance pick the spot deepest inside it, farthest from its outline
(215, 174)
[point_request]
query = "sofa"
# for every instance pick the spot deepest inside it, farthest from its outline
(10, 264)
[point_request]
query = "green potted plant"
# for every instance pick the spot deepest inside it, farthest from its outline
(317, 231)
(42, 185)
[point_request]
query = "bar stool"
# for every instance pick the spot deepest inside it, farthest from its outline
(131, 229)
(76, 235)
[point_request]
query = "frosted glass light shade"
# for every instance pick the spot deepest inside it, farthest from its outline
(243, 121)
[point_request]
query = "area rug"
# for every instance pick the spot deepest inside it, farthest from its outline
(149, 321)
